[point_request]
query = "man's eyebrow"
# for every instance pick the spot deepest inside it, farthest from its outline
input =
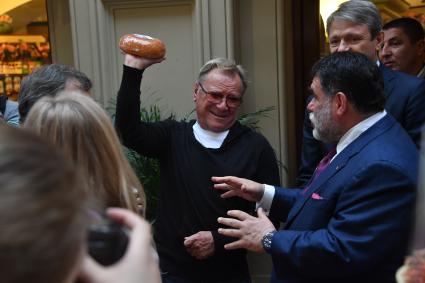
(394, 38)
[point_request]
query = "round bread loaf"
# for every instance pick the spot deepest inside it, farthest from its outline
(142, 46)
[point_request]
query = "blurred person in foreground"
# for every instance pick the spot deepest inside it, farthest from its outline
(43, 220)
(351, 223)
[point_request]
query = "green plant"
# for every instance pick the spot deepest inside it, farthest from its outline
(251, 119)
(147, 169)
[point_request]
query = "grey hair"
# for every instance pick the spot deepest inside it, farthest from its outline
(359, 12)
(49, 80)
(226, 65)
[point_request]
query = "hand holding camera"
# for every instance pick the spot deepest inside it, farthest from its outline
(139, 263)
(107, 240)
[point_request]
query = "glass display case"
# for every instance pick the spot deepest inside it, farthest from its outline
(19, 55)
(24, 42)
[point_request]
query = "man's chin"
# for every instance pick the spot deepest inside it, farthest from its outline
(321, 138)
(316, 135)
(220, 127)
(391, 65)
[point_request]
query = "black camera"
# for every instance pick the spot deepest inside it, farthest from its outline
(107, 241)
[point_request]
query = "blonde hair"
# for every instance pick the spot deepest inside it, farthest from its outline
(81, 127)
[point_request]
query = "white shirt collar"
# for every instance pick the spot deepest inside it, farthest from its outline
(207, 138)
(421, 73)
(353, 133)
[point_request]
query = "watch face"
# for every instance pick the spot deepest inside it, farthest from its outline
(267, 241)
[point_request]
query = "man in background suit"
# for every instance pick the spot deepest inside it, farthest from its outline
(403, 48)
(356, 26)
(351, 223)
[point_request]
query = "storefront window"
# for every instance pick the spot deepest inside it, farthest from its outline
(24, 42)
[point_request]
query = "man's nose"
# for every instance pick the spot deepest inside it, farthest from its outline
(385, 51)
(310, 106)
(343, 46)
(222, 104)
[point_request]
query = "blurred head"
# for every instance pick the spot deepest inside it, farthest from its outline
(42, 206)
(49, 80)
(80, 126)
(345, 85)
(355, 26)
(403, 48)
(218, 94)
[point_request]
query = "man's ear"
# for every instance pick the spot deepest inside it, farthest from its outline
(421, 47)
(379, 40)
(195, 91)
(340, 102)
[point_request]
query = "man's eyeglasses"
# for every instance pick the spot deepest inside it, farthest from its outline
(217, 98)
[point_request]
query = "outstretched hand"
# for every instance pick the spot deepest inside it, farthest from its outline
(140, 62)
(249, 230)
(137, 265)
(234, 186)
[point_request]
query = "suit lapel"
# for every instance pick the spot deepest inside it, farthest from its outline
(389, 82)
(339, 162)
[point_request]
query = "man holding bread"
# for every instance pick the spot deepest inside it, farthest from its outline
(190, 153)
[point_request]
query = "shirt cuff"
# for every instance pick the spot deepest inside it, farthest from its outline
(266, 201)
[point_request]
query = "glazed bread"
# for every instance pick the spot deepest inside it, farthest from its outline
(142, 46)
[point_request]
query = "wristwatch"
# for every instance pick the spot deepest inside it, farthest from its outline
(266, 241)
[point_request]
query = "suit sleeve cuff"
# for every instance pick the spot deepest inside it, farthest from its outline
(266, 201)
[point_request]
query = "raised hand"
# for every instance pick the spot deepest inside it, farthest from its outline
(140, 62)
(234, 186)
(139, 264)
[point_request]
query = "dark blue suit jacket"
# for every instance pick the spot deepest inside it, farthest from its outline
(405, 102)
(352, 224)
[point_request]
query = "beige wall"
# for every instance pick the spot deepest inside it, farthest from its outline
(60, 31)
(184, 25)
(262, 51)
(262, 47)
(168, 84)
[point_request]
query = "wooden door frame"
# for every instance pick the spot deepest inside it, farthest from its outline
(306, 51)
